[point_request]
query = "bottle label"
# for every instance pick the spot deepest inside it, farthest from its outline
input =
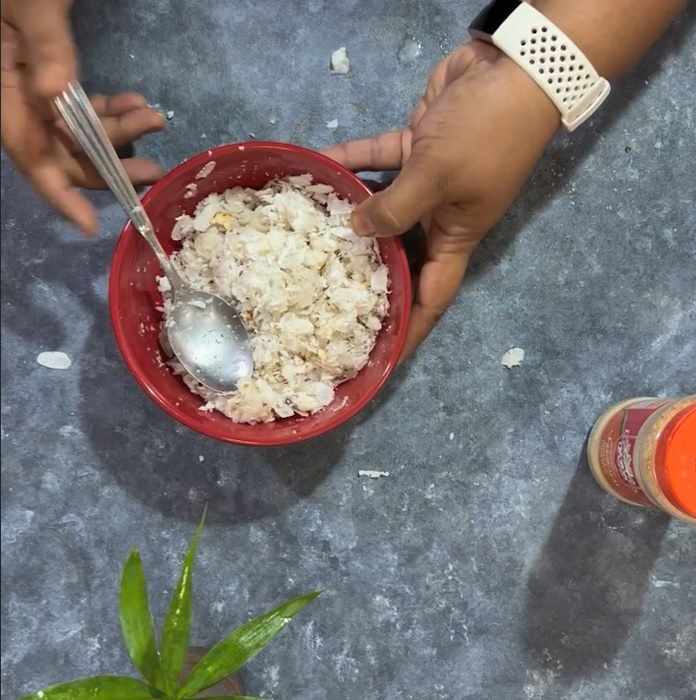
(616, 448)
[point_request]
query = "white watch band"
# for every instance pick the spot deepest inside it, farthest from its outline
(557, 65)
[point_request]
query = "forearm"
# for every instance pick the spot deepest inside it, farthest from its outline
(613, 34)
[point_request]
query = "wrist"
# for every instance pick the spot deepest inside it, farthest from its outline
(522, 94)
(613, 35)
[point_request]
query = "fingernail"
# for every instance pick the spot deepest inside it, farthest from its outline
(362, 224)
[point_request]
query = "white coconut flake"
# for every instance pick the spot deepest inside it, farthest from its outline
(206, 170)
(333, 124)
(512, 358)
(340, 63)
(54, 360)
(312, 293)
(372, 474)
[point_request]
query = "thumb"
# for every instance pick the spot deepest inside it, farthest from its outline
(413, 194)
(44, 26)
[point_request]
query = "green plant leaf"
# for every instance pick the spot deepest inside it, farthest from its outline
(243, 644)
(177, 624)
(136, 621)
(98, 688)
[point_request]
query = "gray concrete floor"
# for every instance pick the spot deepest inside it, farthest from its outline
(488, 565)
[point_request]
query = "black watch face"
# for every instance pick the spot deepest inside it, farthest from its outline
(492, 16)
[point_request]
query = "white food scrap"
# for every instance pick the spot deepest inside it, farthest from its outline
(206, 170)
(512, 358)
(54, 360)
(312, 293)
(372, 474)
(333, 124)
(340, 63)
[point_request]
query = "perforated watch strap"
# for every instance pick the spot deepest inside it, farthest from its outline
(557, 65)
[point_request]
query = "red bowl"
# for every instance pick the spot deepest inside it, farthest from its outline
(133, 295)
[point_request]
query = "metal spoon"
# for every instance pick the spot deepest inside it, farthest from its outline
(205, 333)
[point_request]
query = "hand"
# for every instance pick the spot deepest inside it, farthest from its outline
(38, 62)
(472, 142)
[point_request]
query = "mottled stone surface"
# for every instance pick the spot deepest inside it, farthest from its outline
(487, 565)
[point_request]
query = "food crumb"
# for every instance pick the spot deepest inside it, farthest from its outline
(201, 458)
(512, 358)
(54, 360)
(372, 474)
(170, 114)
(340, 63)
(273, 121)
(333, 124)
(451, 436)
(206, 170)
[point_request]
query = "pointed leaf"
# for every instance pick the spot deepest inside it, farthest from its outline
(244, 643)
(97, 688)
(177, 624)
(136, 621)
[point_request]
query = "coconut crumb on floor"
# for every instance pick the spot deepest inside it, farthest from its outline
(312, 293)
(54, 360)
(512, 358)
(340, 63)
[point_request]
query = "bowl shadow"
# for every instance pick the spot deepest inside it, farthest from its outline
(175, 470)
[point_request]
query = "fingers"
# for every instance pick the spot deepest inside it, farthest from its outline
(140, 171)
(438, 285)
(125, 118)
(44, 26)
(383, 152)
(130, 126)
(115, 105)
(54, 185)
(415, 192)
(27, 142)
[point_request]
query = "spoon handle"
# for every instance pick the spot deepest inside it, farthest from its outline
(77, 111)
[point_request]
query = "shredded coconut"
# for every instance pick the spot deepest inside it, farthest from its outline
(312, 293)
(512, 358)
(206, 170)
(54, 360)
(340, 63)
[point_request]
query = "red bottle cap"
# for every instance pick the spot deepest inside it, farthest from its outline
(679, 465)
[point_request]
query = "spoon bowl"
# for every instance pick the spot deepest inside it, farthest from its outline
(209, 339)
